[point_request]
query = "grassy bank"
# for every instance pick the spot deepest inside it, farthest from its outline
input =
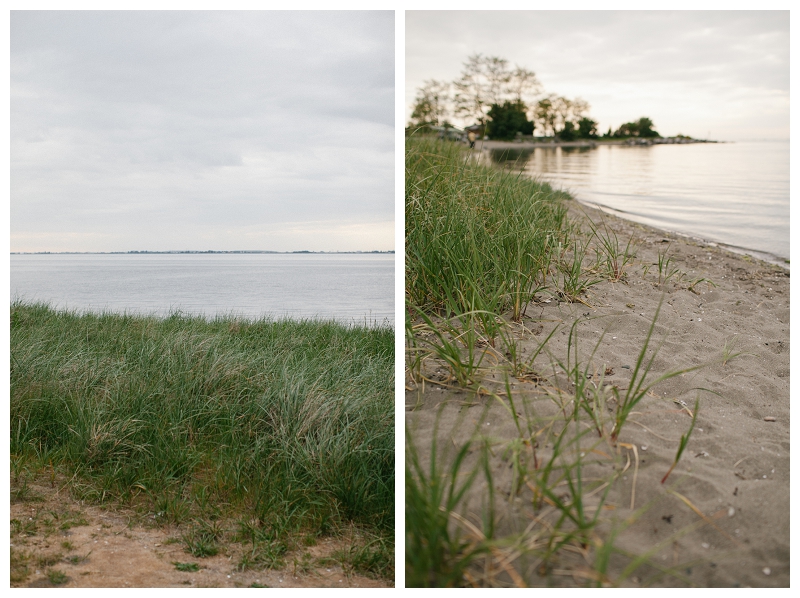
(476, 238)
(283, 429)
(482, 247)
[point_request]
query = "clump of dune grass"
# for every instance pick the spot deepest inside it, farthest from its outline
(481, 244)
(477, 238)
(285, 424)
(438, 554)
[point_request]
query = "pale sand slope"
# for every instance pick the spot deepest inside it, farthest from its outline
(736, 465)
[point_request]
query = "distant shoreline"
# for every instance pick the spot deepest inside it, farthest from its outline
(588, 143)
(196, 252)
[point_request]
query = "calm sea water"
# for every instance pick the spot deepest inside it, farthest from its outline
(736, 194)
(346, 287)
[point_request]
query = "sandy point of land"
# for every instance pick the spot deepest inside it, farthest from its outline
(735, 470)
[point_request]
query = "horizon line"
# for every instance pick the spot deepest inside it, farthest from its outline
(189, 251)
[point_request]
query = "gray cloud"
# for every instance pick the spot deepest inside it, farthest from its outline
(200, 117)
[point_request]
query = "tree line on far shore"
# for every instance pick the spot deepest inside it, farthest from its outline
(505, 102)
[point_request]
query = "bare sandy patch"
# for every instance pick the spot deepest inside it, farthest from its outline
(58, 541)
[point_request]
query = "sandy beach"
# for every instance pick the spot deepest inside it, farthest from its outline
(722, 517)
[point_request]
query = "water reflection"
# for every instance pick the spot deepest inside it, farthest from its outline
(574, 150)
(511, 158)
(736, 193)
(543, 160)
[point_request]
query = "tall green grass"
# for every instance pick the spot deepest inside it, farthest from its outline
(477, 238)
(481, 244)
(288, 423)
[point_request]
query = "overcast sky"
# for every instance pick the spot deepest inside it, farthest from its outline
(723, 74)
(202, 130)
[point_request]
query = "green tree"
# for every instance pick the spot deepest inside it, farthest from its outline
(568, 133)
(545, 114)
(562, 107)
(557, 115)
(627, 130)
(481, 80)
(568, 111)
(507, 119)
(587, 128)
(523, 85)
(489, 80)
(430, 105)
(646, 128)
(639, 128)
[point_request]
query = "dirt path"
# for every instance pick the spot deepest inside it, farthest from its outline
(56, 541)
